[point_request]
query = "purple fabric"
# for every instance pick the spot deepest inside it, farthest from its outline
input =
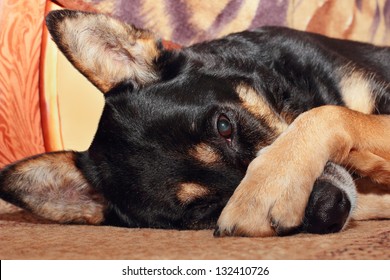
(359, 4)
(226, 15)
(130, 11)
(267, 12)
(375, 22)
(178, 13)
(386, 15)
(270, 13)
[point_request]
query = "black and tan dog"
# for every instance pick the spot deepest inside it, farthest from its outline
(277, 112)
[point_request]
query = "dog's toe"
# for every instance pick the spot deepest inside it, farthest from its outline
(243, 218)
(283, 230)
(232, 231)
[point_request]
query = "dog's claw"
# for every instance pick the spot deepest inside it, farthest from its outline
(225, 232)
(233, 231)
(281, 230)
(217, 232)
(274, 224)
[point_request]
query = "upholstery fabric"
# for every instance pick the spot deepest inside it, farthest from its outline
(190, 21)
(23, 236)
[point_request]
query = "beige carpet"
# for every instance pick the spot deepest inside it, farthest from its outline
(23, 236)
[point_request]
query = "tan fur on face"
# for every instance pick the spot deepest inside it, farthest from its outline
(52, 187)
(258, 106)
(191, 191)
(107, 51)
(205, 153)
(357, 93)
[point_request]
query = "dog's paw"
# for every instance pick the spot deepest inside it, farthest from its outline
(266, 203)
(272, 197)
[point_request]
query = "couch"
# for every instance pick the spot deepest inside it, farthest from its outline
(45, 105)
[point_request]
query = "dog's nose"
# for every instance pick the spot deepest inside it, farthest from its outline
(328, 209)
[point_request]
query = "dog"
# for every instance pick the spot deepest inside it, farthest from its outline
(258, 133)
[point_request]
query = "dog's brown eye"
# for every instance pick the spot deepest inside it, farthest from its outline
(224, 127)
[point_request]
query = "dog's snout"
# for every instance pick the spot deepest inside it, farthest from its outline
(328, 209)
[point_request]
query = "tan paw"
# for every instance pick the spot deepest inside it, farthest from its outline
(271, 200)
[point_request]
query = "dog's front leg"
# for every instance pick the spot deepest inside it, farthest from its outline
(272, 197)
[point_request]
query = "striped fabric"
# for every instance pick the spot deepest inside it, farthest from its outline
(190, 21)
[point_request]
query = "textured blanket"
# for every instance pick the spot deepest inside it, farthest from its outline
(26, 237)
(189, 21)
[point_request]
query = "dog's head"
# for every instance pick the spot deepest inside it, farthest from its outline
(173, 142)
(177, 132)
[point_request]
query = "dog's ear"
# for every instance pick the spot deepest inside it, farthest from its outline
(104, 49)
(53, 187)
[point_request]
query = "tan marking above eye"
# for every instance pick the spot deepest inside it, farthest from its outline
(205, 153)
(190, 191)
(259, 107)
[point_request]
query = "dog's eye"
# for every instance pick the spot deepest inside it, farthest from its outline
(224, 127)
